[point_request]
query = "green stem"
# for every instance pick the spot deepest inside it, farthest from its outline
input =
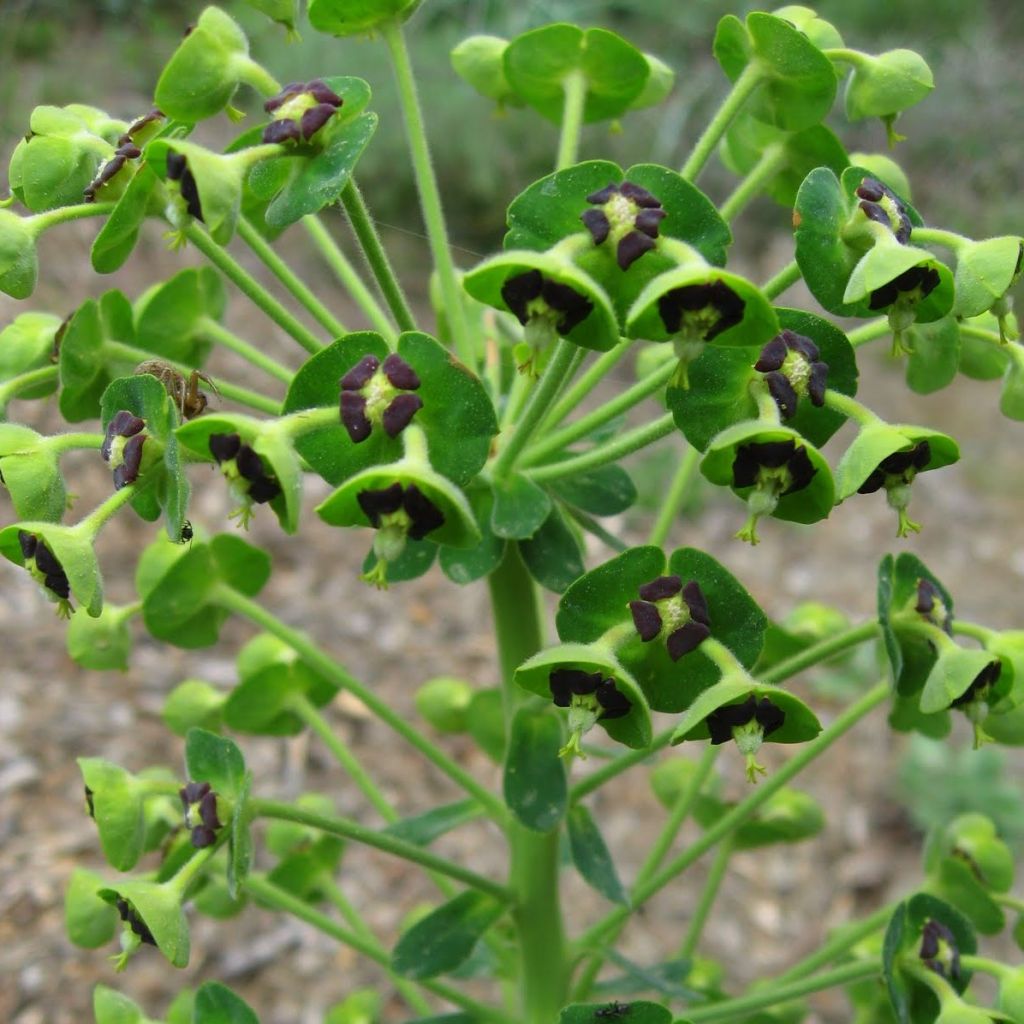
(41, 222)
(742, 811)
(631, 441)
(670, 830)
(23, 381)
(430, 196)
(594, 374)
(869, 332)
(560, 439)
(856, 411)
(534, 869)
(345, 828)
(107, 509)
(251, 288)
(540, 399)
(973, 629)
(1006, 900)
(377, 259)
(266, 892)
(339, 263)
(982, 963)
(358, 925)
(68, 442)
(716, 873)
(675, 496)
(195, 865)
(838, 945)
(595, 780)
(733, 1009)
(992, 337)
(323, 663)
(771, 161)
(936, 236)
(302, 706)
(574, 88)
(264, 252)
(748, 81)
(219, 334)
(232, 392)
(782, 281)
(821, 651)
(295, 424)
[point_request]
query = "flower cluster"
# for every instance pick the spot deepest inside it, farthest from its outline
(404, 509)
(792, 367)
(879, 203)
(131, 917)
(898, 469)
(762, 714)
(679, 612)
(245, 472)
(700, 312)
(911, 286)
(44, 566)
(782, 467)
(379, 393)
(122, 447)
(939, 949)
(300, 110)
(629, 215)
(197, 798)
(531, 295)
(567, 683)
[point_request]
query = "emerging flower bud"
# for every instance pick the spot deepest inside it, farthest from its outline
(300, 110)
(627, 214)
(378, 394)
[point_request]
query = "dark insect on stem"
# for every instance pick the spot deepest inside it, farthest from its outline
(187, 533)
(612, 1011)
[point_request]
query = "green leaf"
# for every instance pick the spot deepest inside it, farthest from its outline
(90, 922)
(604, 491)
(934, 354)
(798, 82)
(446, 937)
(591, 856)
(19, 261)
(356, 17)
(112, 1007)
(216, 760)
(639, 1012)
(464, 565)
(553, 554)
(534, 783)
(120, 232)
(486, 717)
(170, 316)
(102, 643)
(520, 507)
(240, 847)
(423, 829)
(31, 473)
(479, 60)
(538, 62)
(217, 1004)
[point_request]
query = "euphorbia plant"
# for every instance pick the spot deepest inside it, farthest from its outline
(463, 443)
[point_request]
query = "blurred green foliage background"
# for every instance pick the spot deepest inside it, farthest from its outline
(965, 150)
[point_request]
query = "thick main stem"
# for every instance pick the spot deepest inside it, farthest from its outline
(430, 195)
(544, 974)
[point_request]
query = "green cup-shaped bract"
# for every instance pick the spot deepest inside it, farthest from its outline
(357, 17)
(89, 921)
(115, 798)
(660, 80)
(203, 73)
(27, 343)
(882, 166)
(104, 642)
(822, 33)
(194, 704)
(444, 703)
(158, 907)
(31, 473)
(885, 84)
(479, 60)
(19, 262)
(284, 12)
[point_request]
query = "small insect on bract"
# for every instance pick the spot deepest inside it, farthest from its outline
(612, 1011)
(184, 390)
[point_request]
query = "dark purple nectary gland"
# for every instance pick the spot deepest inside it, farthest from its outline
(399, 413)
(360, 374)
(353, 416)
(646, 618)
(660, 588)
(400, 374)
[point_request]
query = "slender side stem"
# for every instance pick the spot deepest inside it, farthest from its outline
(574, 87)
(870, 331)
(732, 1009)
(782, 281)
(302, 706)
(376, 258)
(742, 811)
(251, 288)
(40, 222)
(29, 379)
(628, 443)
(430, 196)
(544, 974)
(617, 766)
(837, 946)
(336, 259)
(821, 651)
(748, 81)
(973, 629)
(1009, 901)
(676, 495)
(348, 829)
(68, 442)
(532, 416)
(109, 507)
(355, 921)
(232, 392)
(336, 673)
(992, 337)
(857, 411)
(274, 896)
(936, 236)
(594, 374)
(670, 830)
(716, 873)
(771, 161)
(264, 252)
(585, 424)
(219, 334)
